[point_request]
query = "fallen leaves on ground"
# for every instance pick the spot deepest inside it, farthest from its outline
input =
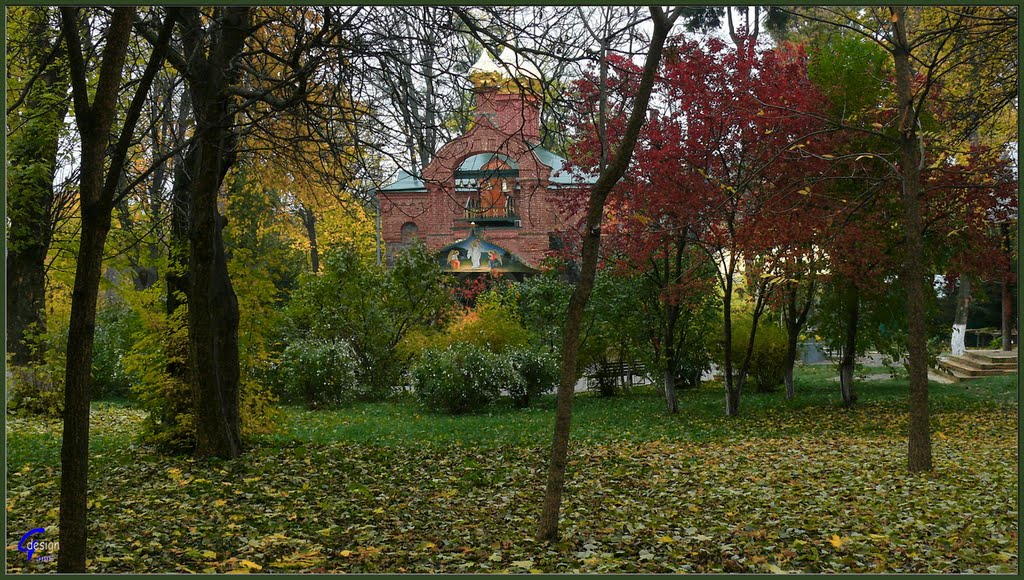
(809, 502)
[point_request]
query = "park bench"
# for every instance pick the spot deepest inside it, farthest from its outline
(609, 374)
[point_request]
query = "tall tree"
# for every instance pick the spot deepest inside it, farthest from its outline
(946, 40)
(609, 176)
(37, 84)
(101, 168)
(212, 48)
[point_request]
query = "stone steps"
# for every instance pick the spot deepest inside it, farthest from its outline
(976, 364)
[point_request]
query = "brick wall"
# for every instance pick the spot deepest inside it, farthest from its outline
(504, 122)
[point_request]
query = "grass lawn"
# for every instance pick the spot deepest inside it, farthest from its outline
(801, 485)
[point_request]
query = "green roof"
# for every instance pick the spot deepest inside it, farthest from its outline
(404, 182)
(473, 167)
(559, 174)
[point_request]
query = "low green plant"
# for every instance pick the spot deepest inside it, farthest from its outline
(462, 378)
(767, 368)
(322, 373)
(539, 371)
(116, 323)
(38, 388)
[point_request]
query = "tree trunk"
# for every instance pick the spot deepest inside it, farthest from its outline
(919, 446)
(212, 305)
(671, 362)
(74, 453)
(849, 360)
(1006, 296)
(31, 166)
(548, 525)
(732, 389)
(95, 122)
(748, 354)
(309, 222)
(963, 304)
(796, 319)
(671, 398)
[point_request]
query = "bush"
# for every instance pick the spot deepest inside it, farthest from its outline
(767, 367)
(321, 373)
(539, 371)
(38, 388)
(768, 362)
(462, 378)
(116, 323)
(34, 390)
(156, 363)
(490, 326)
(371, 308)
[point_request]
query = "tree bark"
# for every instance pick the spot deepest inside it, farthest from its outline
(610, 175)
(32, 165)
(96, 191)
(849, 360)
(212, 304)
(1006, 296)
(919, 447)
(309, 222)
(671, 362)
(732, 387)
(963, 304)
(796, 318)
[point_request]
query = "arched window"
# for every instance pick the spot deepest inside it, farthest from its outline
(491, 182)
(409, 232)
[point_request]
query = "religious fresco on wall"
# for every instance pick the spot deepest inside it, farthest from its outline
(475, 254)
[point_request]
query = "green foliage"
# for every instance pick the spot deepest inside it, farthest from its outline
(853, 72)
(543, 302)
(38, 389)
(116, 325)
(462, 378)
(767, 367)
(156, 364)
(539, 370)
(371, 308)
(321, 373)
(490, 326)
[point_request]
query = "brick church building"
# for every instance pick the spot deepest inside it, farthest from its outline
(489, 199)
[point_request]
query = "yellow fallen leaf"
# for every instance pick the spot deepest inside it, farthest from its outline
(219, 503)
(665, 540)
(345, 553)
(251, 565)
(837, 542)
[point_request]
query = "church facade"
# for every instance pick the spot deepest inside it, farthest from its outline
(489, 200)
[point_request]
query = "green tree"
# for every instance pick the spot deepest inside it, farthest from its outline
(101, 163)
(37, 85)
(371, 307)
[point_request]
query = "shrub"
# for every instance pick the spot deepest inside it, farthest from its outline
(156, 363)
(116, 323)
(38, 388)
(462, 378)
(491, 326)
(767, 368)
(371, 308)
(321, 373)
(539, 371)
(768, 362)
